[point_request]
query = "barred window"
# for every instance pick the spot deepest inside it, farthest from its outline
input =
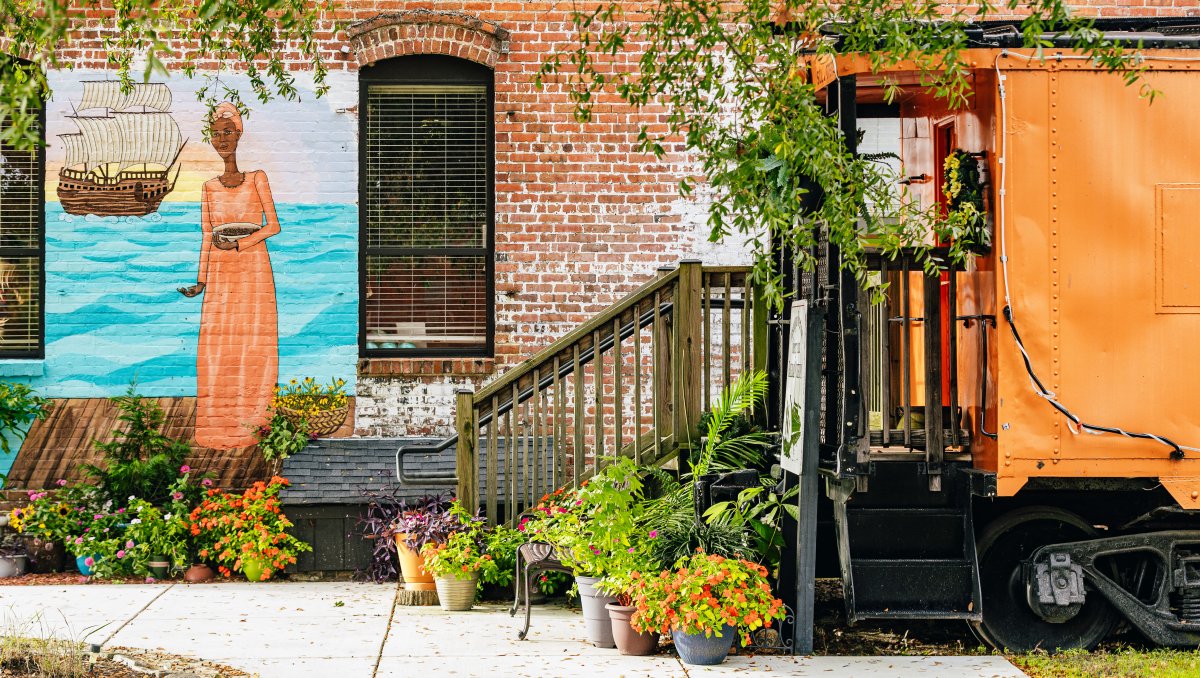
(426, 208)
(21, 244)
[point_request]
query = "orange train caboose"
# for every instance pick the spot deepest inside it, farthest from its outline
(1016, 442)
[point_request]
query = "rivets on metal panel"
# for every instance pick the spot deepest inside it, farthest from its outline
(1195, 494)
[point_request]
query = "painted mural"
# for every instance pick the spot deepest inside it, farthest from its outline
(113, 312)
(120, 158)
(237, 359)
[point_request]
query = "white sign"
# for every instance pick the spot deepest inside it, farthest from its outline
(792, 454)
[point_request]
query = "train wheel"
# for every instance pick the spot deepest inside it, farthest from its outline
(1008, 621)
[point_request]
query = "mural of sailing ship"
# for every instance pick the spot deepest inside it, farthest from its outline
(120, 161)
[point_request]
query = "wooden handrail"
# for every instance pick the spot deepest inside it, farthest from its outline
(652, 360)
(574, 336)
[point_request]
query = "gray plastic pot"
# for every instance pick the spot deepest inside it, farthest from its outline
(595, 615)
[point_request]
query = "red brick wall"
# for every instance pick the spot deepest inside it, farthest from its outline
(580, 217)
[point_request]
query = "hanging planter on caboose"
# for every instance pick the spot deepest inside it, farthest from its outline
(965, 224)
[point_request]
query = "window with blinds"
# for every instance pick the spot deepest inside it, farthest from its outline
(21, 206)
(426, 215)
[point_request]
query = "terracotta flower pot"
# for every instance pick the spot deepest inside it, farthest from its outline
(412, 567)
(198, 573)
(628, 640)
(457, 595)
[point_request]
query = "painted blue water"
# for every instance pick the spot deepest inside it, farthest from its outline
(113, 313)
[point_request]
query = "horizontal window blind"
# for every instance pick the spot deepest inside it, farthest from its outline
(435, 302)
(426, 170)
(427, 166)
(20, 251)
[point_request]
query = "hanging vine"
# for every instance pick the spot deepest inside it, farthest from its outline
(727, 81)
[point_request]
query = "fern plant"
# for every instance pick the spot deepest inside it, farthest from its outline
(140, 461)
(731, 440)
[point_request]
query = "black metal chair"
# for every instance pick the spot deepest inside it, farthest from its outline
(533, 558)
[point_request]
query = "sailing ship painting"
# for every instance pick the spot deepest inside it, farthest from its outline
(120, 161)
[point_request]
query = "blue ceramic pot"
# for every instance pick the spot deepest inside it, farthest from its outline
(704, 650)
(81, 563)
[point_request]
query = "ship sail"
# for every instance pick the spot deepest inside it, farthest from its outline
(101, 140)
(147, 139)
(108, 94)
(76, 149)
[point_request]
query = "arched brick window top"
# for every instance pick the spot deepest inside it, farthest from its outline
(426, 31)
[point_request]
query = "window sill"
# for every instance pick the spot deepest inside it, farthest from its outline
(22, 367)
(426, 367)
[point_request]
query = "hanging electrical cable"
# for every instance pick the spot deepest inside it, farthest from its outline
(1075, 423)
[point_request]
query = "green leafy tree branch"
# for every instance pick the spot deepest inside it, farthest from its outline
(207, 37)
(726, 82)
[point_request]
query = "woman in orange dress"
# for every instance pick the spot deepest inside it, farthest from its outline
(237, 360)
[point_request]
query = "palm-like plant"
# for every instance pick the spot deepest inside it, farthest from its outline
(731, 441)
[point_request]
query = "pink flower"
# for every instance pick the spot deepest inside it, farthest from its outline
(185, 469)
(631, 549)
(177, 496)
(654, 534)
(121, 553)
(61, 483)
(150, 580)
(78, 540)
(89, 561)
(206, 482)
(97, 517)
(120, 510)
(129, 544)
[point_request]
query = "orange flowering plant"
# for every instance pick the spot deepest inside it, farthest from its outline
(461, 557)
(703, 594)
(233, 529)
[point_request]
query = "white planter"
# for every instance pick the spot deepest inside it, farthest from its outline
(12, 566)
(456, 595)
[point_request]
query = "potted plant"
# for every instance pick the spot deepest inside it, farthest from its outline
(429, 521)
(246, 532)
(593, 536)
(703, 603)
(321, 408)
(501, 543)
(456, 566)
(160, 539)
(13, 557)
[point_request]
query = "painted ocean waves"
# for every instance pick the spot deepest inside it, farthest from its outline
(113, 313)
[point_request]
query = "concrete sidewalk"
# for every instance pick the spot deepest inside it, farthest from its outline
(348, 630)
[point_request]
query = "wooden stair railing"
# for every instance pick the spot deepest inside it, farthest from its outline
(633, 380)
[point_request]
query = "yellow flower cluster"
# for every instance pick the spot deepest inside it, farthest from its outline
(308, 397)
(16, 520)
(954, 185)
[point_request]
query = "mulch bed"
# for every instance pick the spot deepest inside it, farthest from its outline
(64, 578)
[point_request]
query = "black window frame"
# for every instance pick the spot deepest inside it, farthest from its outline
(427, 69)
(38, 252)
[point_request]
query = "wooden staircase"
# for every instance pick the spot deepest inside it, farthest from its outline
(633, 380)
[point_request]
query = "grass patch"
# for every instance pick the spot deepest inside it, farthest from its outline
(49, 657)
(1115, 662)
